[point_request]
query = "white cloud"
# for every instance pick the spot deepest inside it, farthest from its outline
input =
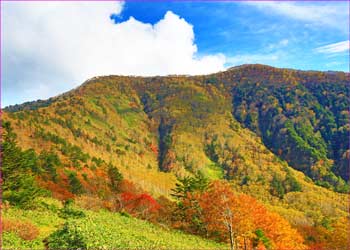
(331, 14)
(58, 45)
(334, 48)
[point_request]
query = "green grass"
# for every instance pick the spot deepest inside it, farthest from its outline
(13, 241)
(214, 171)
(45, 217)
(104, 230)
(114, 230)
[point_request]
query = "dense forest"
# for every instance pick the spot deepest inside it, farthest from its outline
(252, 157)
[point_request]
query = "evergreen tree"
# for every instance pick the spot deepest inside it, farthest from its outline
(190, 184)
(115, 177)
(74, 183)
(18, 183)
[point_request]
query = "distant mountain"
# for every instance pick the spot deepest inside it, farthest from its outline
(279, 135)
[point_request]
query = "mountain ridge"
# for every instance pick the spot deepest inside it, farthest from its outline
(17, 107)
(277, 135)
(232, 85)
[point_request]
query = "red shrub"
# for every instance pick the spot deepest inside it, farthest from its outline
(140, 205)
(154, 149)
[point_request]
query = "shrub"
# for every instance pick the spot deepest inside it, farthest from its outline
(125, 214)
(127, 186)
(24, 229)
(68, 237)
(47, 204)
(89, 202)
(69, 212)
(139, 205)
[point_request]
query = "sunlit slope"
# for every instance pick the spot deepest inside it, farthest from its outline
(159, 128)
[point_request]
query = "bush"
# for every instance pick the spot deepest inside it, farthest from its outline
(69, 212)
(47, 204)
(89, 202)
(68, 237)
(139, 205)
(24, 229)
(125, 214)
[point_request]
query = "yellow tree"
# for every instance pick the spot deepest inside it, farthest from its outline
(340, 234)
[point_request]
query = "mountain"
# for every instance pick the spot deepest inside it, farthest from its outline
(279, 135)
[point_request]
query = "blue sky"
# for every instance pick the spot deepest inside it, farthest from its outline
(49, 48)
(253, 31)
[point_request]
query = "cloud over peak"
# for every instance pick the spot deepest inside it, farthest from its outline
(61, 44)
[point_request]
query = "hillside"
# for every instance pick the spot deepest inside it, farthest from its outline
(278, 135)
(123, 232)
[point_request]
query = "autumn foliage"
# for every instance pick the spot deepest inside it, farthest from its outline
(24, 229)
(335, 236)
(140, 205)
(227, 126)
(223, 215)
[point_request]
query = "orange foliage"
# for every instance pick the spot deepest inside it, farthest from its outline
(109, 205)
(223, 209)
(336, 237)
(101, 173)
(280, 232)
(127, 186)
(90, 182)
(24, 229)
(340, 234)
(90, 202)
(166, 210)
(58, 191)
(154, 149)
(133, 105)
(225, 212)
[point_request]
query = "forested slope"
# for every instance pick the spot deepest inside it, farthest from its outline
(278, 135)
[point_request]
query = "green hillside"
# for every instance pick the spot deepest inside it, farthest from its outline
(98, 230)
